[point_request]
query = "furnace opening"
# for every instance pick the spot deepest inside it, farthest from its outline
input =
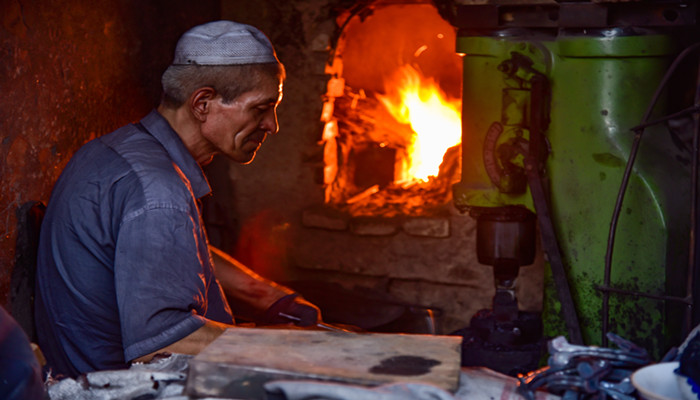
(392, 112)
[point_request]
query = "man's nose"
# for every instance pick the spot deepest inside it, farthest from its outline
(269, 123)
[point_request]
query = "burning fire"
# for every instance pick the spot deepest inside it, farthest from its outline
(435, 120)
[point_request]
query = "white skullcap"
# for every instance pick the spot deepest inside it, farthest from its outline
(224, 43)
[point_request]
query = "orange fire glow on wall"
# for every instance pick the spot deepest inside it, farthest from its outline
(434, 118)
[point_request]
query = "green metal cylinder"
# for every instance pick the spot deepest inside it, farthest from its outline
(601, 84)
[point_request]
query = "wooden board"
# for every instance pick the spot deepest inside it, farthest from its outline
(240, 361)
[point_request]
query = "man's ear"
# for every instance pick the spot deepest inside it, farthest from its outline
(199, 102)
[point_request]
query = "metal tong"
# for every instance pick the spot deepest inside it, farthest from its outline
(321, 325)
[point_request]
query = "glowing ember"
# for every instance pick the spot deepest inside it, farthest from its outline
(435, 119)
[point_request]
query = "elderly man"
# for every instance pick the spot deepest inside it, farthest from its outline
(125, 270)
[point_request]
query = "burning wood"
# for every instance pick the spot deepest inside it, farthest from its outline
(418, 198)
(409, 135)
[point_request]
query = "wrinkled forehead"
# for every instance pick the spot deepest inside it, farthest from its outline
(269, 91)
(273, 87)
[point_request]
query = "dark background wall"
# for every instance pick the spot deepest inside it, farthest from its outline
(72, 71)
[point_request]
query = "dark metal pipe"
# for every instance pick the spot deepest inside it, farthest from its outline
(684, 300)
(539, 119)
(688, 111)
(692, 261)
(623, 186)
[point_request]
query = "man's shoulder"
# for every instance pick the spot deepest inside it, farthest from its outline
(127, 162)
(141, 152)
(127, 146)
(134, 144)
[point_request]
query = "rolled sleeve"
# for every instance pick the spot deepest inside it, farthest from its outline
(161, 279)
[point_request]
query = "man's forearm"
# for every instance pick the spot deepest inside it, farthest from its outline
(241, 283)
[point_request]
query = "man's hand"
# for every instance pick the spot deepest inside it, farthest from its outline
(292, 308)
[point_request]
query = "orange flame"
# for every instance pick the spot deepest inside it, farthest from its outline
(435, 120)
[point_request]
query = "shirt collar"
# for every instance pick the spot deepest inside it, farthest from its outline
(160, 129)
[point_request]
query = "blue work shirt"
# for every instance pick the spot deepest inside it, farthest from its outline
(124, 267)
(20, 373)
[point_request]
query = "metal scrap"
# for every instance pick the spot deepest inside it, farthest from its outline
(161, 379)
(578, 372)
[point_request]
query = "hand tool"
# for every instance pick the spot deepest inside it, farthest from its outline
(321, 325)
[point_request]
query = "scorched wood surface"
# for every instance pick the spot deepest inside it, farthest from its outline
(241, 360)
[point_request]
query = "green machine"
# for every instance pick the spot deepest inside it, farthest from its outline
(554, 96)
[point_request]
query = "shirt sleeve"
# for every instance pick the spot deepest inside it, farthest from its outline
(161, 279)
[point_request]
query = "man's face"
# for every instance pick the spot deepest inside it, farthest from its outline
(239, 128)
